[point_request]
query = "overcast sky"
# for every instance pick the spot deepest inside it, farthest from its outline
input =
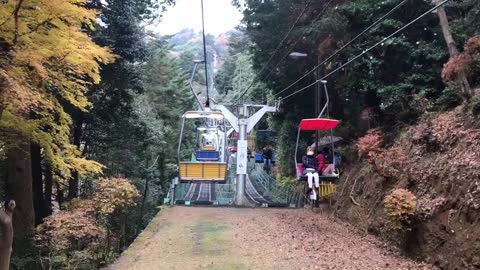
(220, 16)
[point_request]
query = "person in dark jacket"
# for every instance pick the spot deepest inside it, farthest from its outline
(310, 168)
(267, 155)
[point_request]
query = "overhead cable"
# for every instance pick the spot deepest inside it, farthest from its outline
(207, 104)
(345, 46)
(369, 49)
(277, 48)
(294, 44)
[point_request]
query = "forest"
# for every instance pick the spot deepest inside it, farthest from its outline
(91, 102)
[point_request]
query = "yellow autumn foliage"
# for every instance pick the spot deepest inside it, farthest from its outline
(47, 58)
(113, 194)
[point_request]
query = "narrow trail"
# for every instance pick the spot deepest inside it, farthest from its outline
(239, 238)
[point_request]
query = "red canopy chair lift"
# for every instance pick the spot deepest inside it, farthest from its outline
(330, 173)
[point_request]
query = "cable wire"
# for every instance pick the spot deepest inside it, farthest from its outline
(207, 103)
(277, 48)
(296, 42)
(345, 46)
(370, 48)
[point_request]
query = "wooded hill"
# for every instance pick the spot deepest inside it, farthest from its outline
(89, 110)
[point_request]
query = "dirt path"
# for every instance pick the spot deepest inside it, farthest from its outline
(234, 239)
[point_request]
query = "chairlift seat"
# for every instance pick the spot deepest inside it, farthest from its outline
(328, 173)
(203, 171)
(259, 158)
(207, 155)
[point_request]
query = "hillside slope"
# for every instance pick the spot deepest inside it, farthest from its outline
(438, 159)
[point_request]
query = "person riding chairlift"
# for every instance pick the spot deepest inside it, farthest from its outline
(328, 162)
(310, 169)
(327, 156)
(321, 162)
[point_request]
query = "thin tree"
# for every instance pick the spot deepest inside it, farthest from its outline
(6, 235)
(452, 49)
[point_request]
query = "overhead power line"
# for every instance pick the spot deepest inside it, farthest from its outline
(304, 34)
(345, 46)
(369, 49)
(277, 48)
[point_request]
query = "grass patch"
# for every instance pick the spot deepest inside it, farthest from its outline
(210, 238)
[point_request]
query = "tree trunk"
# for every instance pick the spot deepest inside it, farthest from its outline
(60, 196)
(6, 235)
(123, 231)
(142, 206)
(48, 190)
(20, 185)
(77, 137)
(38, 198)
(452, 49)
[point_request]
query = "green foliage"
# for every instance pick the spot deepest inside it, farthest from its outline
(284, 151)
(238, 45)
(291, 182)
(133, 127)
(398, 80)
(476, 108)
(448, 100)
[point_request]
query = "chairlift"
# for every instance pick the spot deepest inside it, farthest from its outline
(209, 162)
(330, 173)
(317, 124)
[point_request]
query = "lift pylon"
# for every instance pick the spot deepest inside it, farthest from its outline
(243, 125)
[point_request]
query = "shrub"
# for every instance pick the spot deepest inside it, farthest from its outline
(83, 227)
(393, 162)
(69, 230)
(464, 63)
(370, 145)
(114, 193)
(290, 182)
(449, 99)
(400, 206)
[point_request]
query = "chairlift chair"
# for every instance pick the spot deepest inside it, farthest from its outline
(210, 162)
(317, 124)
(330, 174)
